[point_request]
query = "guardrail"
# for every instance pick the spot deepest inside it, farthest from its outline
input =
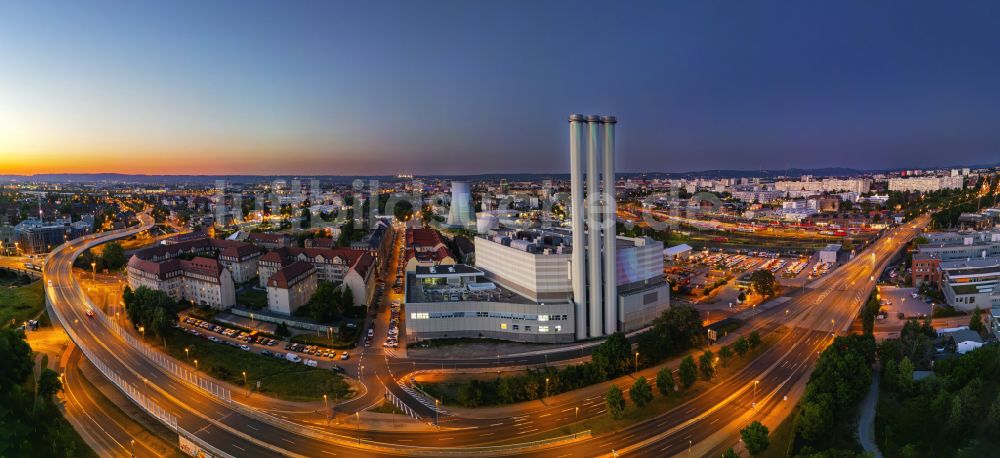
(173, 368)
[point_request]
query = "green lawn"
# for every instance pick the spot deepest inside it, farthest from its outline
(21, 303)
(252, 298)
(278, 378)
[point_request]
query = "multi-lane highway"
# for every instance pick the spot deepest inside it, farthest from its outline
(236, 429)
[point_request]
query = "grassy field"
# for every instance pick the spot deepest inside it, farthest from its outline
(252, 298)
(781, 437)
(21, 303)
(278, 378)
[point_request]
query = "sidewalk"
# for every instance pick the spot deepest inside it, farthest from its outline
(866, 424)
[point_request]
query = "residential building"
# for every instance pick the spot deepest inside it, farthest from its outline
(354, 268)
(926, 183)
(270, 241)
(291, 287)
(203, 281)
(239, 258)
(425, 247)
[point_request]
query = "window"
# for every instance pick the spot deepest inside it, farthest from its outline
(558, 328)
(420, 316)
(527, 328)
(543, 318)
(543, 329)
(516, 327)
(503, 326)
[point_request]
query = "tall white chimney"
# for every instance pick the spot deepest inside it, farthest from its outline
(610, 231)
(578, 258)
(596, 295)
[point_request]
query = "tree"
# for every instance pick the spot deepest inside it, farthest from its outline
(815, 419)
(904, 375)
(706, 365)
(742, 297)
(688, 372)
(615, 402)
(755, 438)
(741, 346)
(754, 339)
(113, 256)
(641, 393)
(49, 384)
(725, 354)
(282, 330)
(613, 355)
(763, 282)
(993, 419)
(664, 381)
(976, 321)
(730, 453)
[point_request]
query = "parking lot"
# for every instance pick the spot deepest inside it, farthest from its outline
(263, 344)
(705, 269)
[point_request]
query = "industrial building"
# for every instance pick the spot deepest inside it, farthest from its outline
(547, 285)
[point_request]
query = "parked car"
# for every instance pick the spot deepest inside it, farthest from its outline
(345, 356)
(293, 357)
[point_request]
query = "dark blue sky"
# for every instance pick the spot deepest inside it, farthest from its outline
(478, 87)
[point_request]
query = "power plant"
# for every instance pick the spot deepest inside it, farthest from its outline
(594, 267)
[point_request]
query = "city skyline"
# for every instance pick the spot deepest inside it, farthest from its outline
(449, 88)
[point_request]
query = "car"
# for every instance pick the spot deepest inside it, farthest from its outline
(310, 362)
(265, 352)
(345, 356)
(293, 357)
(278, 355)
(90, 312)
(214, 339)
(337, 369)
(371, 332)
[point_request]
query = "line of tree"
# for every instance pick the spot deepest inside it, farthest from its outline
(31, 422)
(839, 381)
(641, 392)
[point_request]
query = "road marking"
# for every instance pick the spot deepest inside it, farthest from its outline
(241, 448)
(543, 416)
(527, 431)
(252, 427)
(328, 452)
(497, 424)
(286, 440)
(486, 434)
(567, 410)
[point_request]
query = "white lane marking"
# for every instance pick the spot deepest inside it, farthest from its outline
(527, 431)
(241, 448)
(543, 416)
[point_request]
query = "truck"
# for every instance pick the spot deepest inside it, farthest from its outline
(310, 362)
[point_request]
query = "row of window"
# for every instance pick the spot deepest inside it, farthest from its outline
(501, 315)
(527, 328)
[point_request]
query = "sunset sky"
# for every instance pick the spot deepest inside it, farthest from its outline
(479, 87)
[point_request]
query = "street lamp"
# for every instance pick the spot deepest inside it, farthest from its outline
(754, 404)
(245, 383)
(196, 365)
(142, 330)
(577, 415)
(637, 361)
(436, 418)
(133, 448)
(546, 387)
(357, 416)
(187, 354)
(93, 275)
